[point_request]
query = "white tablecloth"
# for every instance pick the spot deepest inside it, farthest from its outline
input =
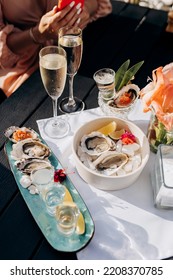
(127, 225)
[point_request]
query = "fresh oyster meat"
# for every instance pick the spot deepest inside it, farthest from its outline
(96, 143)
(28, 165)
(110, 162)
(16, 134)
(125, 97)
(29, 149)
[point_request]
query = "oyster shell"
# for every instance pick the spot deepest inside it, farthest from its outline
(16, 134)
(125, 97)
(109, 162)
(96, 143)
(25, 181)
(28, 165)
(29, 148)
(33, 189)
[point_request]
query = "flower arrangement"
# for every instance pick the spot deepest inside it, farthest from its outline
(157, 96)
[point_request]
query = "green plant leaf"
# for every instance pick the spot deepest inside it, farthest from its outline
(130, 74)
(120, 73)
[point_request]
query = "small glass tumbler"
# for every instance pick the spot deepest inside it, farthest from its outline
(66, 216)
(42, 178)
(53, 197)
(162, 179)
(105, 80)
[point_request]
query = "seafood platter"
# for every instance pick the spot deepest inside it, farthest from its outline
(27, 153)
(110, 153)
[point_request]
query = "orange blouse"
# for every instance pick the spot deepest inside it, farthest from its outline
(16, 16)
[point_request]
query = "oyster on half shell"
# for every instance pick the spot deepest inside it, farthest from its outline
(125, 97)
(29, 148)
(110, 162)
(16, 134)
(30, 164)
(96, 143)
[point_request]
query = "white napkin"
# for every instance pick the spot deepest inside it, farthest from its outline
(127, 225)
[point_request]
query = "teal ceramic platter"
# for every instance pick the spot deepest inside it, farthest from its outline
(47, 224)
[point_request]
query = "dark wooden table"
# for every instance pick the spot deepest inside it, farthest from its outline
(129, 32)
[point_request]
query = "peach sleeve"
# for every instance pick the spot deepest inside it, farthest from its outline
(7, 57)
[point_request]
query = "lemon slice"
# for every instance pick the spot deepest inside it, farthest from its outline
(109, 128)
(80, 225)
(117, 134)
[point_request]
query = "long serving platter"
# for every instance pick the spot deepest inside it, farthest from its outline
(47, 224)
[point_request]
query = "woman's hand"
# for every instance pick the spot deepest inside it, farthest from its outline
(84, 18)
(52, 21)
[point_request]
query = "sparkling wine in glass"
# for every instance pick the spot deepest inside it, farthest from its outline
(53, 69)
(70, 38)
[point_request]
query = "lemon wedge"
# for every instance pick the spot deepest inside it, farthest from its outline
(109, 128)
(67, 197)
(80, 227)
(117, 134)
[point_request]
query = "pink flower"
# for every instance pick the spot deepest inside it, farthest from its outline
(128, 138)
(59, 175)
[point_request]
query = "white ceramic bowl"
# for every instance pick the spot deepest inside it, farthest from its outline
(109, 182)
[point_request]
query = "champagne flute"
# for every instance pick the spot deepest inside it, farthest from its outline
(70, 38)
(53, 69)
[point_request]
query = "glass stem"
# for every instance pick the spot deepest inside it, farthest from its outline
(55, 102)
(71, 101)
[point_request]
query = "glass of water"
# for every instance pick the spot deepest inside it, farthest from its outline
(105, 80)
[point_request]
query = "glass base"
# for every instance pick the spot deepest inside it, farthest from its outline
(64, 107)
(58, 130)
